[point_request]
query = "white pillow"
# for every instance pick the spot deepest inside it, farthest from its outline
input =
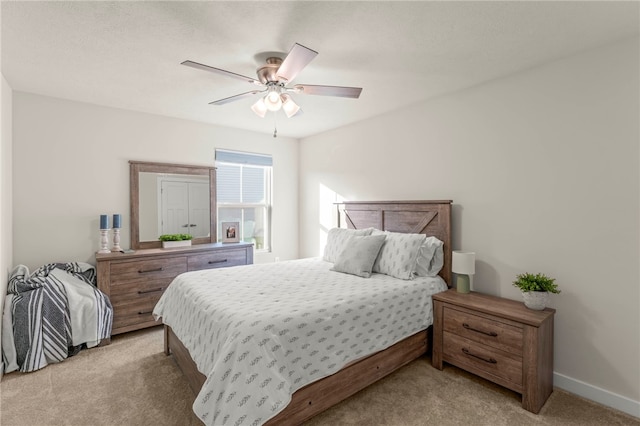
(336, 239)
(358, 255)
(430, 258)
(398, 254)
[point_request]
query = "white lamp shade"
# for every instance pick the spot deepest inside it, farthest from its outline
(464, 262)
(259, 108)
(288, 106)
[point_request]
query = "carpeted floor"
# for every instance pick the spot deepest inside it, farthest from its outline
(132, 382)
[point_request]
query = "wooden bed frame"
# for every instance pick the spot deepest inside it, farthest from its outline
(426, 217)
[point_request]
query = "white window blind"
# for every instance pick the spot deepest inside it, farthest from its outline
(237, 157)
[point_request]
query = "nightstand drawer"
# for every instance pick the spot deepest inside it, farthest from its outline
(220, 259)
(482, 360)
(485, 330)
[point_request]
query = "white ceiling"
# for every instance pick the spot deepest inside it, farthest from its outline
(128, 54)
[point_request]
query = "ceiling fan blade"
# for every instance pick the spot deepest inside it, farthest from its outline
(297, 58)
(199, 66)
(344, 92)
(235, 97)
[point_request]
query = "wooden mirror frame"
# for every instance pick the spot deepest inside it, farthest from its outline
(136, 167)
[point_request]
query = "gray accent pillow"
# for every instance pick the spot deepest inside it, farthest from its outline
(430, 258)
(398, 255)
(336, 239)
(358, 255)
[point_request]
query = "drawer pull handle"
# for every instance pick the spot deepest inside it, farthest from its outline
(150, 270)
(150, 291)
(489, 360)
(488, 333)
(145, 312)
(213, 262)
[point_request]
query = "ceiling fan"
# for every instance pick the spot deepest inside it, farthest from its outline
(274, 78)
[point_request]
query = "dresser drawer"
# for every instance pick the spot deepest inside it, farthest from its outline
(160, 270)
(485, 330)
(483, 360)
(134, 291)
(137, 313)
(219, 259)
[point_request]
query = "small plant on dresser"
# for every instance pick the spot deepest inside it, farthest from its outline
(535, 289)
(175, 240)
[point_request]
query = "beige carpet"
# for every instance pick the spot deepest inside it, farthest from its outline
(132, 382)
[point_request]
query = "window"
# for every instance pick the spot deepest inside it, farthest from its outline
(244, 195)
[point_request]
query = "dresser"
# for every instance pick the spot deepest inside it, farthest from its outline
(135, 281)
(498, 339)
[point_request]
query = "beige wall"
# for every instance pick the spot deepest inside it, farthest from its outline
(542, 167)
(70, 164)
(6, 232)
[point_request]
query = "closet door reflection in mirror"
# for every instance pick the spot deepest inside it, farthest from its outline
(173, 204)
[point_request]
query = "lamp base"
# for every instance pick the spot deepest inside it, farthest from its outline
(462, 283)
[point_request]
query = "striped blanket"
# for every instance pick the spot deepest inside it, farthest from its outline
(56, 311)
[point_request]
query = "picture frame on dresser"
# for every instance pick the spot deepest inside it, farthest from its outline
(230, 232)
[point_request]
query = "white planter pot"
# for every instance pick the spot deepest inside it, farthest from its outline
(536, 300)
(172, 244)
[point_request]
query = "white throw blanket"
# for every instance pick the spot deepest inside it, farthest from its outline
(50, 314)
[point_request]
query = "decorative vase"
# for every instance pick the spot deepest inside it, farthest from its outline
(172, 244)
(536, 300)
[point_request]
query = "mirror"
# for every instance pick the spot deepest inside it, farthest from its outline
(171, 199)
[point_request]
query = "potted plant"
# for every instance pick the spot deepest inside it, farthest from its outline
(175, 240)
(535, 289)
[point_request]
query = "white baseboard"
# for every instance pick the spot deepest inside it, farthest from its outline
(594, 393)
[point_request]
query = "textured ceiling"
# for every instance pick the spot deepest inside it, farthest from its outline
(128, 54)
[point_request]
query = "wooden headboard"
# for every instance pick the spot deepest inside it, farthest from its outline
(432, 218)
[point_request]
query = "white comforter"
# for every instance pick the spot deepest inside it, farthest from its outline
(261, 332)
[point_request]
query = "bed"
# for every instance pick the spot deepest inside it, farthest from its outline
(276, 355)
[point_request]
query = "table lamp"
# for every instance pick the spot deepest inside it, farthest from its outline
(463, 265)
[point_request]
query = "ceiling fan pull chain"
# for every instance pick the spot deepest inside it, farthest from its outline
(275, 128)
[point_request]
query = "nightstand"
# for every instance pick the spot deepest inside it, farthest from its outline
(498, 339)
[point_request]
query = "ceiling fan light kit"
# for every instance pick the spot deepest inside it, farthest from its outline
(289, 106)
(275, 75)
(259, 108)
(272, 100)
